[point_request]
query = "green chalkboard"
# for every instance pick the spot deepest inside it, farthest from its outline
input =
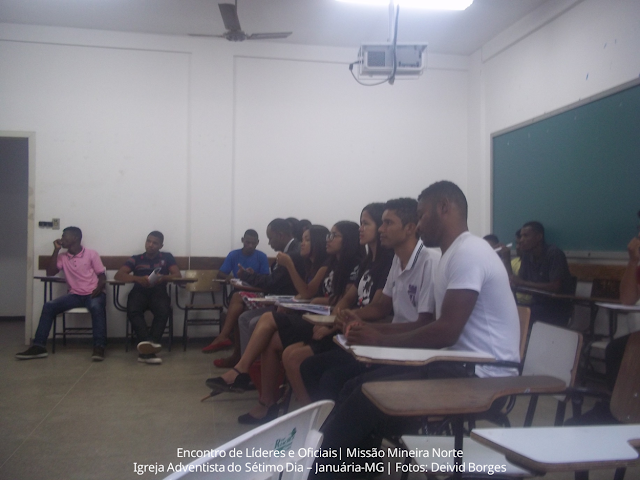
(577, 172)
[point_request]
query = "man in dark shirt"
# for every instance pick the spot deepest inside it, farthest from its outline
(544, 267)
(149, 271)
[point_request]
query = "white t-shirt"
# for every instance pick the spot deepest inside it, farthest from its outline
(411, 289)
(493, 327)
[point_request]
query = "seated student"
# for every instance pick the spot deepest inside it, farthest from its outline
(629, 295)
(475, 312)
(149, 293)
(296, 228)
(276, 331)
(492, 240)
(277, 282)
(246, 257)
(386, 228)
(544, 267)
(85, 275)
(600, 414)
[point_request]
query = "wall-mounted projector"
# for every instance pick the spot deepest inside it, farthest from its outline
(377, 59)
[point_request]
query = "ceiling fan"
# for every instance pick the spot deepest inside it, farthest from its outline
(234, 33)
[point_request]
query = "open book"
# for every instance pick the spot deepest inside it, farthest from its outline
(319, 319)
(409, 356)
(306, 307)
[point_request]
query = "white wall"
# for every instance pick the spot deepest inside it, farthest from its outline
(589, 48)
(201, 138)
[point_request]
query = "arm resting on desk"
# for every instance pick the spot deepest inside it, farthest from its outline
(441, 333)
(552, 287)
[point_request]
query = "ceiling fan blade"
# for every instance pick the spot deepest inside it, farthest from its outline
(229, 16)
(264, 36)
(206, 35)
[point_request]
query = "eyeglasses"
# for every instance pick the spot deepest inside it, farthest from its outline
(331, 236)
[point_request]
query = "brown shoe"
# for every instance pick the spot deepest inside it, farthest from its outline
(98, 354)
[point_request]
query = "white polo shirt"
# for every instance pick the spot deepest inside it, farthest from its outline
(411, 289)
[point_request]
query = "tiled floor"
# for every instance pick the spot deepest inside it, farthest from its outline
(65, 417)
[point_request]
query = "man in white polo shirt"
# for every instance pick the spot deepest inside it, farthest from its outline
(85, 275)
(408, 294)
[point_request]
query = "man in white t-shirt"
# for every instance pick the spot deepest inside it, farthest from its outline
(475, 311)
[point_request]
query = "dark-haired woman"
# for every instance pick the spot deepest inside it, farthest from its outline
(373, 275)
(276, 331)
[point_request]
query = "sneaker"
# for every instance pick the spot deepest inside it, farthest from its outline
(150, 358)
(98, 354)
(147, 348)
(34, 351)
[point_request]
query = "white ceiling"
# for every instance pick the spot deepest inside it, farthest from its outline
(313, 22)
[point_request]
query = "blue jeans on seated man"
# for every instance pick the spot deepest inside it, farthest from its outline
(52, 309)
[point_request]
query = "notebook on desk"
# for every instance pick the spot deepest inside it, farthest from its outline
(408, 356)
(319, 319)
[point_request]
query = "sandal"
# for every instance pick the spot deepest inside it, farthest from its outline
(239, 385)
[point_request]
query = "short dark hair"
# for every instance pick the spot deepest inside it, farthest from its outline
(536, 227)
(405, 208)
(251, 232)
(491, 238)
(280, 225)
(450, 191)
(158, 235)
(75, 231)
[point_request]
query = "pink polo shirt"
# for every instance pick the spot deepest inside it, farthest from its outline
(81, 270)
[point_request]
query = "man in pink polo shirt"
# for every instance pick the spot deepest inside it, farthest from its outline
(86, 278)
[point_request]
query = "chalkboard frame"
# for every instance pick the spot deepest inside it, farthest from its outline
(506, 235)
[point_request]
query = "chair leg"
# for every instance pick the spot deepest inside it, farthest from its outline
(619, 475)
(64, 330)
(184, 330)
(560, 411)
(533, 402)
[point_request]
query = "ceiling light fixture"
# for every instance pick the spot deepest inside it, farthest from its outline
(422, 4)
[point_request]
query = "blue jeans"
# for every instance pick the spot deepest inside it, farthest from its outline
(52, 309)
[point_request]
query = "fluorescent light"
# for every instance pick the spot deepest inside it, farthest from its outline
(423, 4)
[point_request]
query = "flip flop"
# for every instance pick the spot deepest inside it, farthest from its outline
(218, 346)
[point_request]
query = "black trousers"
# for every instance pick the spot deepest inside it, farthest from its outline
(354, 417)
(155, 299)
(325, 374)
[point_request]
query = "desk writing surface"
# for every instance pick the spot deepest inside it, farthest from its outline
(452, 396)
(564, 448)
(409, 356)
(618, 307)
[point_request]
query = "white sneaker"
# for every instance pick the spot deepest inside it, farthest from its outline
(147, 348)
(151, 359)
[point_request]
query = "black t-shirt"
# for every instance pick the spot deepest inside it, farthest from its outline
(142, 266)
(550, 267)
(373, 279)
